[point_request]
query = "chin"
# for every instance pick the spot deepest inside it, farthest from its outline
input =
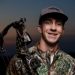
(52, 41)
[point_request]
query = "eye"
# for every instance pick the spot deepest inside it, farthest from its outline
(47, 22)
(59, 23)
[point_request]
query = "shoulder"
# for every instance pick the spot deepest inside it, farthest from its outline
(66, 57)
(66, 61)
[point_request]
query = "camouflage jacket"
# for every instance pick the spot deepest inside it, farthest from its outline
(40, 63)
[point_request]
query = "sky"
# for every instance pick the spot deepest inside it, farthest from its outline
(13, 10)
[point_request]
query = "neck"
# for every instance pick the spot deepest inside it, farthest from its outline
(43, 46)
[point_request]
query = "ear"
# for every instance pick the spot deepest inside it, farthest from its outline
(62, 32)
(39, 29)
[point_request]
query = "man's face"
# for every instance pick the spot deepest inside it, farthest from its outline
(51, 30)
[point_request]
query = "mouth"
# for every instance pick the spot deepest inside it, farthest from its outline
(54, 34)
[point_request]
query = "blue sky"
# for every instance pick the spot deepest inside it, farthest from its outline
(12, 10)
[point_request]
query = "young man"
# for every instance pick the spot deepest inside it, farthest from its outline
(46, 58)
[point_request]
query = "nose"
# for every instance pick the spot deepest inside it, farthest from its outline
(53, 27)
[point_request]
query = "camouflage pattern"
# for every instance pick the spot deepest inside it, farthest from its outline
(39, 63)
